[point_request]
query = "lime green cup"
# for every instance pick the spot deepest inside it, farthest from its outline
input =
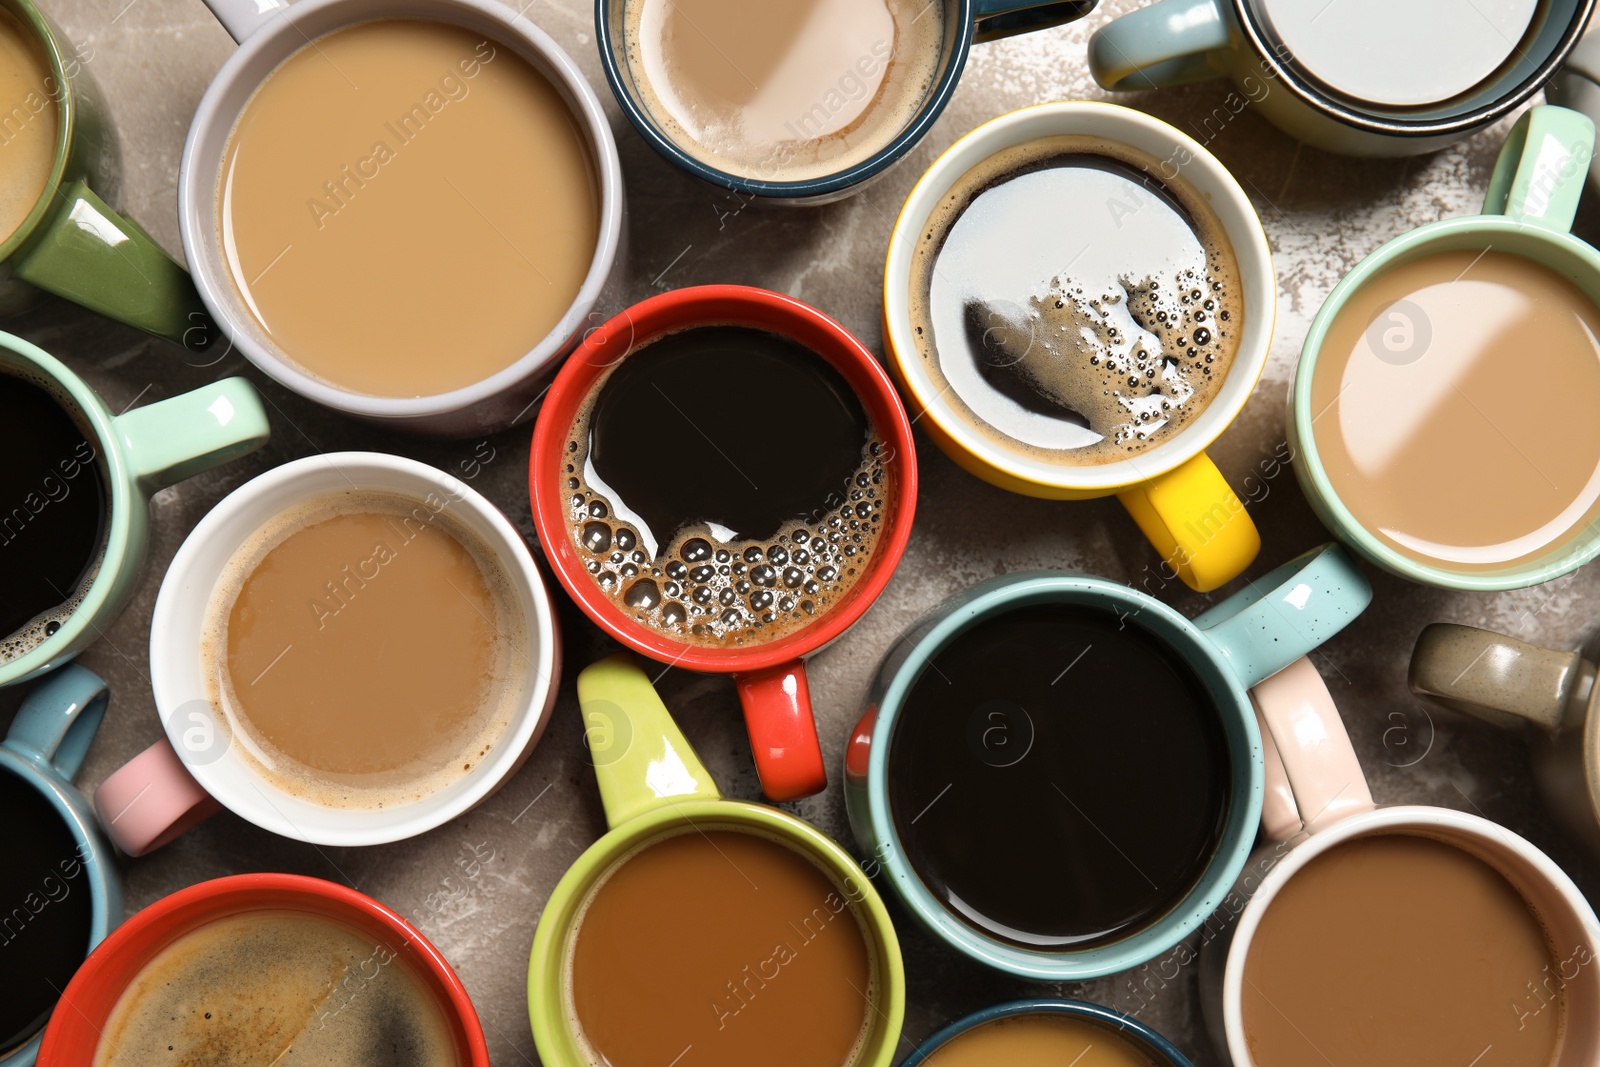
(72, 243)
(654, 786)
(1532, 199)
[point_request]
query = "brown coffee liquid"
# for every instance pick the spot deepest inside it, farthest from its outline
(1397, 950)
(1451, 405)
(719, 948)
(277, 989)
(1071, 305)
(370, 649)
(783, 91)
(1045, 1039)
(407, 207)
(28, 120)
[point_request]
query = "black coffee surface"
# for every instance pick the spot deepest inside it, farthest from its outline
(729, 426)
(45, 911)
(52, 507)
(1058, 778)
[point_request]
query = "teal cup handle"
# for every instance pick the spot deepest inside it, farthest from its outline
(1286, 613)
(181, 436)
(994, 19)
(1539, 175)
(1257, 632)
(59, 719)
(1170, 42)
(45, 747)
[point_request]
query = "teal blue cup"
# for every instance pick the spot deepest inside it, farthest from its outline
(1528, 212)
(1280, 617)
(45, 746)
(1156, 1048)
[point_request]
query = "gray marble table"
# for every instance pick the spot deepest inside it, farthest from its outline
(1322, 214)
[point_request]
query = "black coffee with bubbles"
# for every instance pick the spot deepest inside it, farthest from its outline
(1059, 777)
(726, 485)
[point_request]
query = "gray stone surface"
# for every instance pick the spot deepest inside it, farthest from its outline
(154, 58)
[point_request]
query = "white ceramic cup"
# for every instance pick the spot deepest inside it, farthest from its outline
(182, 779)
(269, 31)
(1326, 803)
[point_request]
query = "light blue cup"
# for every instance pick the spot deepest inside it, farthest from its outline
(1280, 617)
(1157, 1048)
(45, 747)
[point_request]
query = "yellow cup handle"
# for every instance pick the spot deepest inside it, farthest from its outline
(1196, 521)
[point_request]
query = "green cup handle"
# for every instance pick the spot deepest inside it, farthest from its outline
(86, 252)
(994, 19)
(1541, 168)
(1171, 42)
(1498, 678)
(181, 436)
(641, 758)
(1287, 613)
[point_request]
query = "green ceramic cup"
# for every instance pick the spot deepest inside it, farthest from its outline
(138, 453)
(1533, 196)
(653, 785)
(72, 243)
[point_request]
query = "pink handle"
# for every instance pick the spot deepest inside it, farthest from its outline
(1313, 752)
(150, 800)
(783, 734)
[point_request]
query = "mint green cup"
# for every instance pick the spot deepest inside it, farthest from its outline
(1533, 196)
(72, 243)
(1247, 638)
(137, 453)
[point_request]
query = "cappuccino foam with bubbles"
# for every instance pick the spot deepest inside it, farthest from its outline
(365, 649)
(782, 91)
(1072, 305)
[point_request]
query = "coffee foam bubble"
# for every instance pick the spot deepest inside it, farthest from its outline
(1081, 347)
(719, 137)
(448, 763)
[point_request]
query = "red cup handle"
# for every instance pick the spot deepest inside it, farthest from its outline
(783, 735)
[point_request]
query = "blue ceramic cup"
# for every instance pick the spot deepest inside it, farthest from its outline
(1157, 1048)
(1280, 617)
(44, 748)
(965, 22)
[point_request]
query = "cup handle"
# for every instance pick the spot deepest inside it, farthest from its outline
(994, 19)
(181, 436)
(1167, 43)
(59, 719)
(1196, 521)
(86, 252)
(1286, 613)
(783, 733)
(150, 800)
(641, 758)
(1498, 678)
(1313, 753)
(1577, 86)
(1539, 175)
(241, 18)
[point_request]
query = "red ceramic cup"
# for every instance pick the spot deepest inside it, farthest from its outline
(74, 1030)
(770, 676)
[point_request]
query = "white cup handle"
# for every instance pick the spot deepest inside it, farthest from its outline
(242, 18)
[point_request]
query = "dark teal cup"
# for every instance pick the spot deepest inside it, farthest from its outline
(1157, 1048)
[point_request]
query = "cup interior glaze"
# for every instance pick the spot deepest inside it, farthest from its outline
(1555, 900)
(200, 174)
(1181, 158)
(73, 1035)
(178, 627)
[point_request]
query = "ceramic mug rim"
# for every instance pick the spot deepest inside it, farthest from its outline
(1412, 819)
(123, 500)
(1329, 103)
(1045, 1006)
(1201, 169)
(291, 892)
(547, 1007)
(197, 204)
(236, 783)
(953, 61)
(1308, 464)
(992, 599)
(48, 38)
(681, 309)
